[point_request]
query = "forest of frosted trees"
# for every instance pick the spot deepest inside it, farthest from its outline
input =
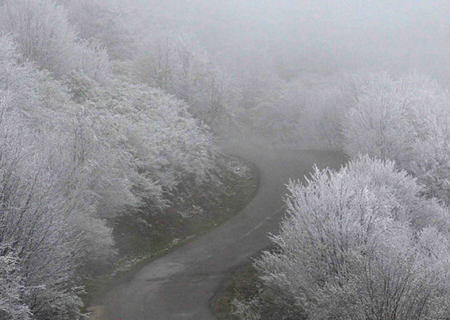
(372, 240)
(81, 139)
(101, 112)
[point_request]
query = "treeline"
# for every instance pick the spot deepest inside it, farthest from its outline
(84, 136)
(100, 113)
(372, 240)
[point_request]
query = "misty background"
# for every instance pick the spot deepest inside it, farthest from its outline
(288, 38)
(112, 118)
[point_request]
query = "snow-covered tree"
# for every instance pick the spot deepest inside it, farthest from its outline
(93, 61)
(175, 146)
(46, 213)
(36, 218)
(43, 34)
(12, 288)
(406, 120)
(79, 144)
(304, 112)
(106, 24)
(359, 243)
(178, 64)
(41, 29)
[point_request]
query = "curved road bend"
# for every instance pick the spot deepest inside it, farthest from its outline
(179, 285)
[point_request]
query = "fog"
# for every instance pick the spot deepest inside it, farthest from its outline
(149, 143)
(316, 36)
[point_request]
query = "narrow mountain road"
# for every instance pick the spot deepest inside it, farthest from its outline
(179, 285)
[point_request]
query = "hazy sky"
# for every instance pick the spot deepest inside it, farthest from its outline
(317, 35)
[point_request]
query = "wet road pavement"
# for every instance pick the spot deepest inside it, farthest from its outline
(179, 285)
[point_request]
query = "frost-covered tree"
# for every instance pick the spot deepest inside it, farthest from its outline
(178, 64)
(173, 148)
(12, 288)
(48, 225)
(106, 24)
(41, 29)
(359, 243)
(385, 120)
(43, 34)
(278, 112)
(406, 120)
(173, 62)
(303, 112)
(93, 61)
(79, 144)
(36, 218)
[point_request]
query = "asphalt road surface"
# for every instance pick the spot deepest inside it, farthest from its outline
(179, 285)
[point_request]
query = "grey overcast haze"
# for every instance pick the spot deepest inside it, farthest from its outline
(224, 160)
(323, 36)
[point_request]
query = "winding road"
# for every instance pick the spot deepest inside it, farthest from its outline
(179, 285)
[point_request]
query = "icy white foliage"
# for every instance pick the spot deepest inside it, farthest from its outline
(41, 29)
(98, 20)
(36, 219)
(11, 289)
(39, 202)
(178, 64)
(43, 34)
(159, 141)
(405, 120)
(359, 243)
(74, 152)
(304, 112)
(93, 61)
